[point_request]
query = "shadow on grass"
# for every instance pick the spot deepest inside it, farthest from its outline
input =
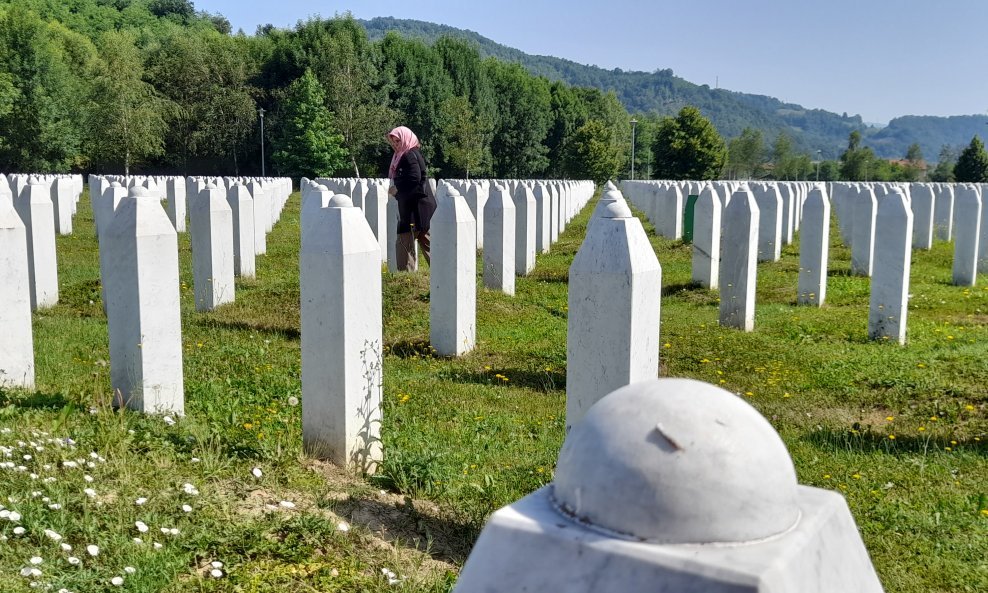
(37, 400)
(675, 289)
(549, 276)
(535, 379)
(864, 440)
(443, 538)
(411, 349)
(290, 333)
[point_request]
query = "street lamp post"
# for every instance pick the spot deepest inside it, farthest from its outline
(819, 155)
(260, 112)
(634, 122)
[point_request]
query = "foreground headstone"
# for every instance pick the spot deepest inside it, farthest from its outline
(669, 212)
(211, 224)
(499, 241)
(943, 214)
(476, 198)
(863, 233)
(62, 196)
(814, 248)
(706, 239)
(36, 211)
(890, 280)
(525, 219)
(262, 212)
(983, 239)
(392, 240)
(142, 306)
(376, 212)
(543, 213)
(770, 222)
(615, 282)
(922, 200)
(967, 231)
(453, 277)
(738, 262)
(242, 211)
(175, 194)
(342, 342)
(654, 491)
(16, 339)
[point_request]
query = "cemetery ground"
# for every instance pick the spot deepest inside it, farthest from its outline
(901, 432)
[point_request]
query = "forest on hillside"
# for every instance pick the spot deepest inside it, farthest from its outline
(132, 86)
(663, 93)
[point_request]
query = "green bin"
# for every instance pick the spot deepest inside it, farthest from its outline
(688, 218)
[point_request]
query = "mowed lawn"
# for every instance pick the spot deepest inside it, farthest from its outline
(900, 431)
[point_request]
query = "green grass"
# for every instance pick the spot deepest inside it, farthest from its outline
(465, 436)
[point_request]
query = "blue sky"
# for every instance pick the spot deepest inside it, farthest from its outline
(877, 58)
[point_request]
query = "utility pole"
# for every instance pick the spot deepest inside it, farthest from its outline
(260, 111)
(634, 122)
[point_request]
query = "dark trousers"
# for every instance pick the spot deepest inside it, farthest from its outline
(405, 250)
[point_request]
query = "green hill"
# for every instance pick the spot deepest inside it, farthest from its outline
(665, 93)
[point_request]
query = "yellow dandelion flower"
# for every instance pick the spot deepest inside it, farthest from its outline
(667, 345)
(891, 437)
(969, 408)
(889, 418)
(856, 476)
(748, 393)
(921, 429)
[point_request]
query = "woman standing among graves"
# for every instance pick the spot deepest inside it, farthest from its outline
(416, 202)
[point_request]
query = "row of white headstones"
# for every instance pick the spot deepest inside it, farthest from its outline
(644, 524)
(880, 222)
(341, 346)
(667, 484)
(342, 321)
(138, 251)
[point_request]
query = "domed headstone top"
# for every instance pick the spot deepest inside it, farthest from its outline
(677, 461)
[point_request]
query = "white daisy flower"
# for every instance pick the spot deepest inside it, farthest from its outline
(92, 550)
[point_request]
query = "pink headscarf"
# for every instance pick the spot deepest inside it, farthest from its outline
(407, 140)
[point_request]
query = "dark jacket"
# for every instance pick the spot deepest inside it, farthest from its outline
(416, 202)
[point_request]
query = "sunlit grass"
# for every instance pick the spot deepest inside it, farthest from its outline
(901, 432)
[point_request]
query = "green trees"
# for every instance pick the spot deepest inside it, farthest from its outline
(126, 120)
(972, 164)
(44, 66)
(944, 171)
(913, 168)
(522, 123)
(306, 143)
(592, 153)
(157, 86)
(688, 147)
(857, 160)
(463, 135)
(745, 155)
